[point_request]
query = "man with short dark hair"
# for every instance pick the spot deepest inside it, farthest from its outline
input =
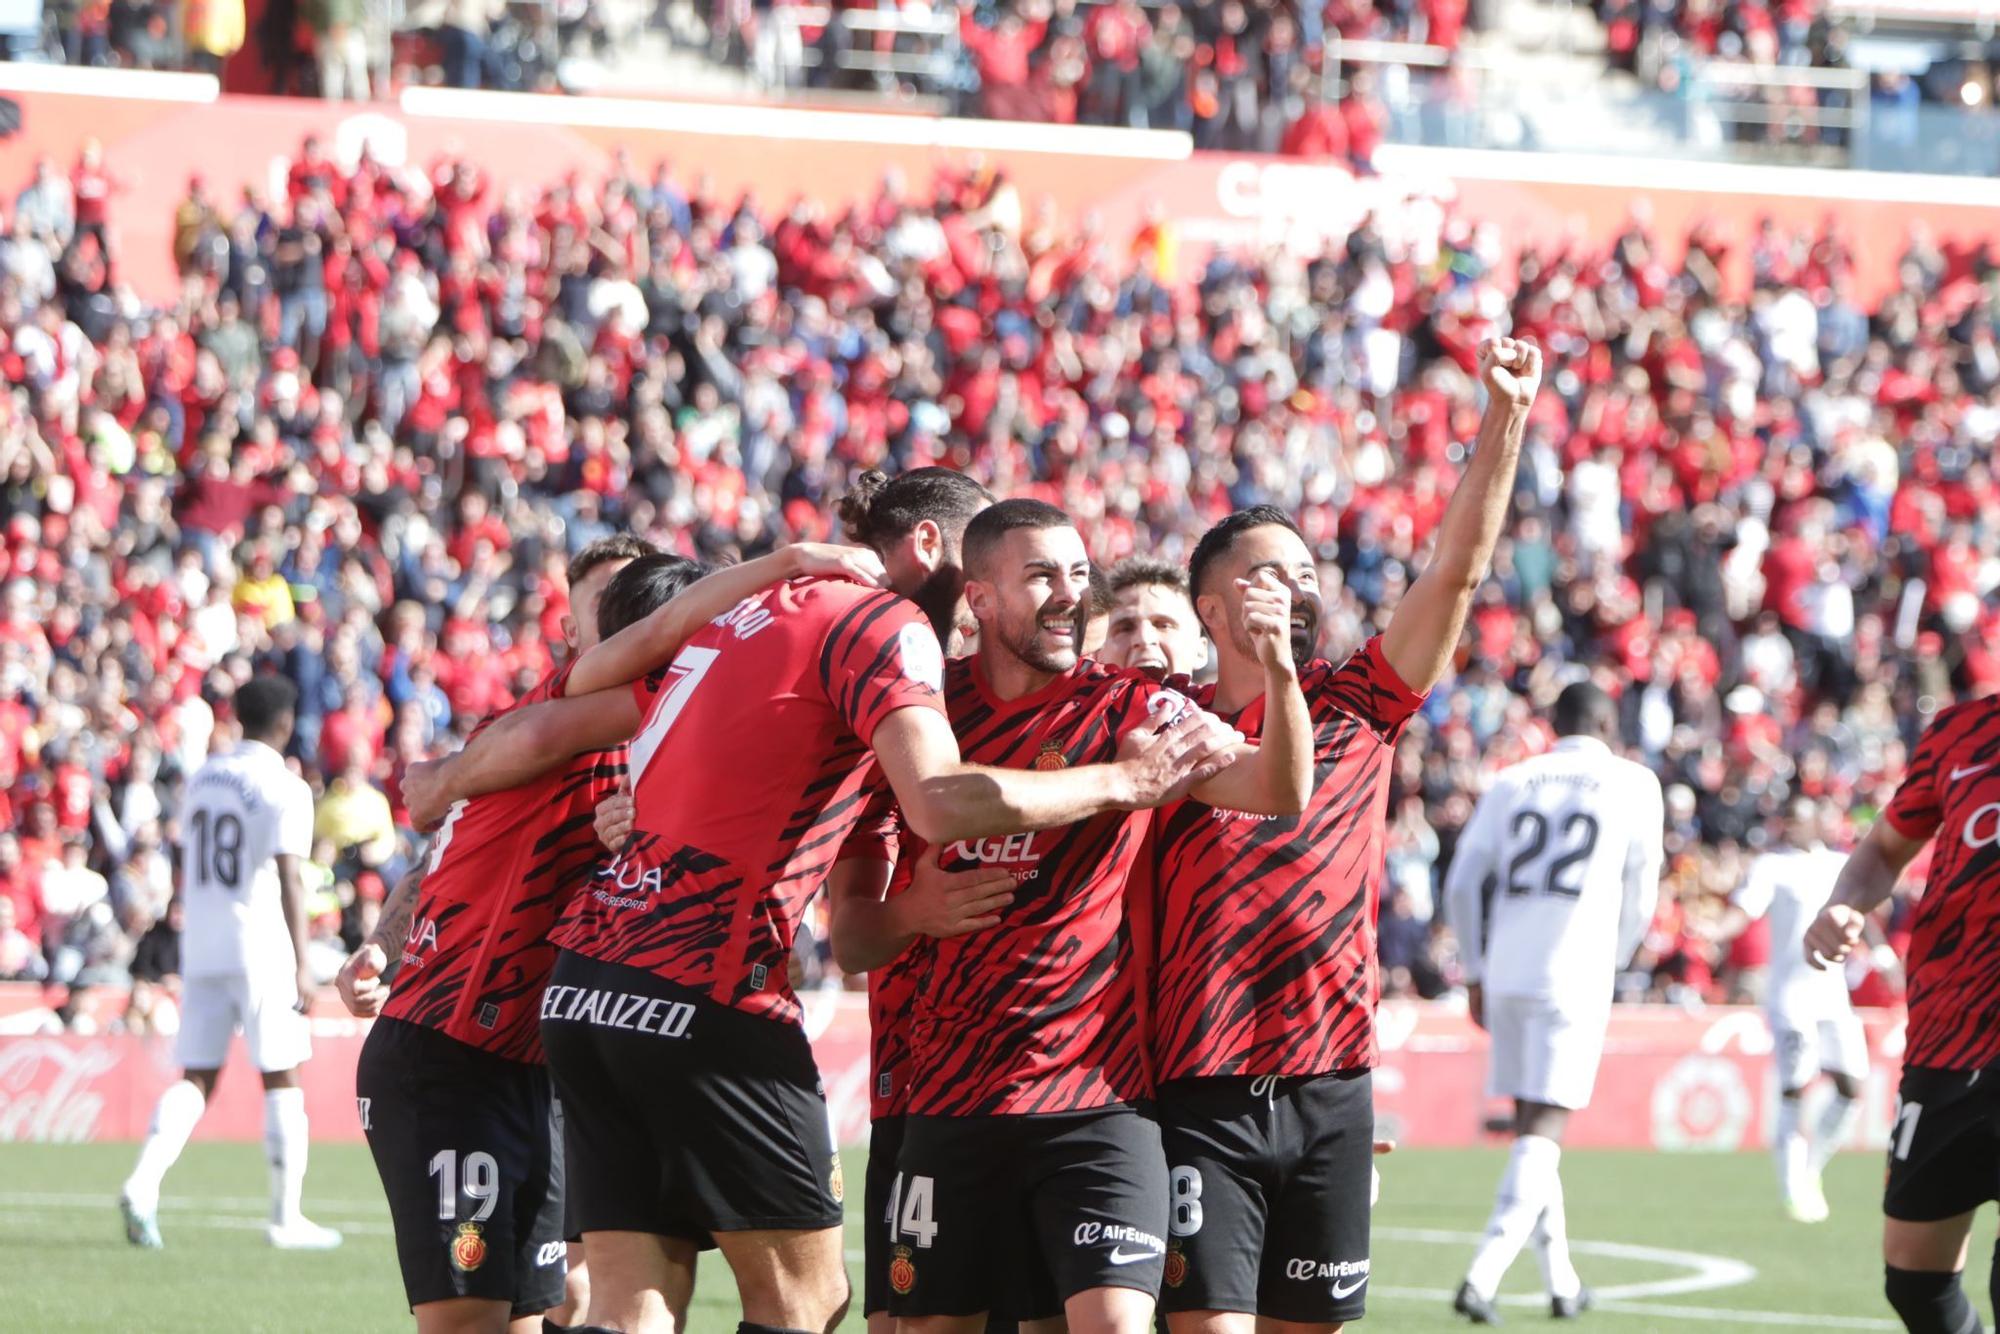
(245, 830)
(1025, 1137)
(1153, 627)
(1264, 1004)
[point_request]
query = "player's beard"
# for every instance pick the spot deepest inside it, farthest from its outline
(1305, 633)
(1042, 652)
(941, 597)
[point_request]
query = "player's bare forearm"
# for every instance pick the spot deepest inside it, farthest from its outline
(1424, 632)
(653, 641)
(1871, 872)
(392, 928)
(1275, 776)
(518, 748)
(861, 929)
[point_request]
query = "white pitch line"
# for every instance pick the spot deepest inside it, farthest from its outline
(171, 1205)
(214, 1222)
(1709, 1271)
(1701, 1314)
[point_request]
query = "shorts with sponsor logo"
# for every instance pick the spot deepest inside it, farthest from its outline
(465, 1145)
(684, 1117)
(1014, 1215)
(1268, 1181)
(1944, 1147)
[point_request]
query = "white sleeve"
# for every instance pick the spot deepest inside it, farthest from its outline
(1465, 884)
(1758, 889)
(1643, 859)
(295, 821)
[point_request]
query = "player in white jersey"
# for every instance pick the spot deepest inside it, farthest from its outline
(1813, 1028)
(245, 828)
(1550, 891)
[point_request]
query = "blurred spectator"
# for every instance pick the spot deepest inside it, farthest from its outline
(213, 30)
(340, 47)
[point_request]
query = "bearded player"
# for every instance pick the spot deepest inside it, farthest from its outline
(1265, 998)
(1943, 1160)
(1030, 1182)
(751, 768)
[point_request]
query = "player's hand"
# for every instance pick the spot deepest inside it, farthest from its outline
(826, 560)
(360, 983)
(1834, 934)
(1267, 618)
(308, 988)
(1475, 1004)
(943, 904)
(1511, 369)
(1163, 764)
(614, 816)
(424, 792)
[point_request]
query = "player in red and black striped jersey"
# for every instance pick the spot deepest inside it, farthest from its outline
(672, 1032)
(1265, 991)
(1943, 1164)
(1029, 1182)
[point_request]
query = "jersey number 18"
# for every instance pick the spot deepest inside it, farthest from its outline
(218, 849)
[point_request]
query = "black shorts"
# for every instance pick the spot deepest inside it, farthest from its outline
(1014, 1215)
(472, 1168)
(1944, 1148)
(684, 1117)
(1269, 1179)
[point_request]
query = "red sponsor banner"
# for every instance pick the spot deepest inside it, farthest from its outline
(152, 148)
(1670, 1080)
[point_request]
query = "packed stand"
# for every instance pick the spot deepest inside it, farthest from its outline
(390, 403)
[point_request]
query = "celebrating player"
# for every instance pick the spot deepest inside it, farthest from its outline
(245, 826)
(453, 1093)
(1557, 873)
(672, 1031)
(1813, 1028)
(1029, 1183)
(1153, 626)
(1941, 1149)
(1265, 1001)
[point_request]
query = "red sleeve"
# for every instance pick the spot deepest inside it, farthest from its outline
(1367, 687)
(879, 655)
(647, 688)
(1917, 809)
(874, 836)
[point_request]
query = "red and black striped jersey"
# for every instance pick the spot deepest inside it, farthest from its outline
(749, 773)
(502, 868)
(1952, 793)
(1040, 1013)
(892, 990)
(1266, 954)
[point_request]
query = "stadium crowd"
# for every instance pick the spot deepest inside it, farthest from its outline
(389, 404)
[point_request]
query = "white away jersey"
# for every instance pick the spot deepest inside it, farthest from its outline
(240, 813)
(1556, 875)
(1792, 885)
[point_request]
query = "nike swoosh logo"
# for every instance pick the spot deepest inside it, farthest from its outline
(1970, 770)
(1348, 1289)
(1120, 1256)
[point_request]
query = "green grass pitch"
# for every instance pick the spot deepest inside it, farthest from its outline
(1693, 1223)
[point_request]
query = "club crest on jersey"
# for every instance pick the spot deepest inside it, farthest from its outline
(1177, 1266)
(1051, 757)
(902, 1271)
(836, 1184)
(468, 1248)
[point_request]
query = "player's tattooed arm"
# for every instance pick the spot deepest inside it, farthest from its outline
(1424, 632)
(1865, 884)
(1273, 777)
(363, 981)
(654, 640)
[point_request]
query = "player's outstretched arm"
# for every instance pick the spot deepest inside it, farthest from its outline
(519, 747)
(945, 799)
(1273, 777)
(654, 640)
(1424, 631)
(1865, 884)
